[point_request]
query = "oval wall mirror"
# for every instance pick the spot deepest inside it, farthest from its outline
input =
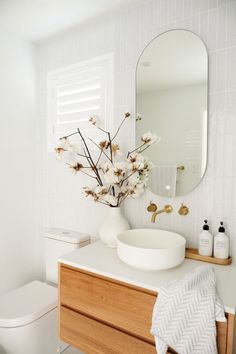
(171, 101)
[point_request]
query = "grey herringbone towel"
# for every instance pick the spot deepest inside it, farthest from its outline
(185, 313)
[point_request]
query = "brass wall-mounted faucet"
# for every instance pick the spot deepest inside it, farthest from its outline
(183, 210)
(153, 209)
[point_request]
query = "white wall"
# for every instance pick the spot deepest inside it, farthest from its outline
(176, 115)
(126, 34)
(18, 242)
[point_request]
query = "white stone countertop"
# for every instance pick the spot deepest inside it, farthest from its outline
(100, 259)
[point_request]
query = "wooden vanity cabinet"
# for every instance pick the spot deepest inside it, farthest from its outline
(99, 315)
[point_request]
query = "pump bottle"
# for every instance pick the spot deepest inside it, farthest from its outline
(205, 244)
(221, 244)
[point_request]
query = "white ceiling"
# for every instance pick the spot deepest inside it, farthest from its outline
(37, 19)
(176, 58)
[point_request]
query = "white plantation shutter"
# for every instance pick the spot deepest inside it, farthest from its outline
(77, 92)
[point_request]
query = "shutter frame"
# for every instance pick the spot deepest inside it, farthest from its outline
(73, 95)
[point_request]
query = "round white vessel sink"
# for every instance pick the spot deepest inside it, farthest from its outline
(151, 249)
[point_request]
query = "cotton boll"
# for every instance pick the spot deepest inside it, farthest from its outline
(136, 191)
(149, 138)
(101, 190)
(134, 179)
(113, 174)
(95, 120)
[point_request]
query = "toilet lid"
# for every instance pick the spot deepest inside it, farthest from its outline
(67, 235)
(27, 304)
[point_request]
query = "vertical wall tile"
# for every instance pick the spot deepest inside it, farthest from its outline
(231, 69)
(222, 27)
(224, 2)
(229, 155)
(221, 70)
(199, 6)
(196, 24)
(204, 26)
(187, 23)
(195, 7)
(179, 9)
(203, 5)
(230, 111)
(212, 72)
(213, 4)
(187, 8)
(212, 30)
(231, 19)
(168, 11)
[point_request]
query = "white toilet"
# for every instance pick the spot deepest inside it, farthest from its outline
(28, 315)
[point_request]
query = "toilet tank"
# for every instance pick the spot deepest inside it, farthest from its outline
(59, 242)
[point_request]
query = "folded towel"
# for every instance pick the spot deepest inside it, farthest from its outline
(185, 312)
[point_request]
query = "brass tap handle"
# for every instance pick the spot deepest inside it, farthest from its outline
(183, 210)
(152, 207)
(181, 168)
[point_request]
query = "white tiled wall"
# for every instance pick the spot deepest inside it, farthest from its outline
(126, 34)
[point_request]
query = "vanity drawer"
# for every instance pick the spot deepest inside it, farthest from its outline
(93, 337)
(101, 302)
(221, 338)
(117, 304)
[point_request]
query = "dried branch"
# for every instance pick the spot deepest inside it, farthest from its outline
(82, 155)
(125, 196)
(110, 146)
(88, 174)
(104, 131)
(68, 136)
(90, 160)
(105, 203)
(139, 147)
(127, 177)
(118, 129)
(99, 158)
(100, 149)
(144, 149)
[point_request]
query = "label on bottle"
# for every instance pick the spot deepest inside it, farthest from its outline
(204, 242)
(220, 245)
(205, 245)
(221, 248)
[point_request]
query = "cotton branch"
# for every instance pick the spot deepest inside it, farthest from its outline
(126, 116)
(90, 160)
(139, 147)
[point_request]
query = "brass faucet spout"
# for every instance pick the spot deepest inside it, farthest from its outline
(167, 209)
(153, 218)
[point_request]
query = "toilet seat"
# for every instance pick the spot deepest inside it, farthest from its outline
(26, 304)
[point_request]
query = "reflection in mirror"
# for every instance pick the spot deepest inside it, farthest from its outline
(171, 94)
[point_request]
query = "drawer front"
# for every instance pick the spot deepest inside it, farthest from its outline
(118, 305)
(221, 338)
(93, 337)
(126, 308)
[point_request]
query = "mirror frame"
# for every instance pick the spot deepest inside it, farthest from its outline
(207, 101)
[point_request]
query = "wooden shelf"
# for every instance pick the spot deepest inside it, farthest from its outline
(192, 253)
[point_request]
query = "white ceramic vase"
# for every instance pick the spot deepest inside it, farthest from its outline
(114, 224)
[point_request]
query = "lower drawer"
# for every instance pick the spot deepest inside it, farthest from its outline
(117, 304)
(94, 337)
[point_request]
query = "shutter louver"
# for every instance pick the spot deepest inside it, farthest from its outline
(78, 93)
